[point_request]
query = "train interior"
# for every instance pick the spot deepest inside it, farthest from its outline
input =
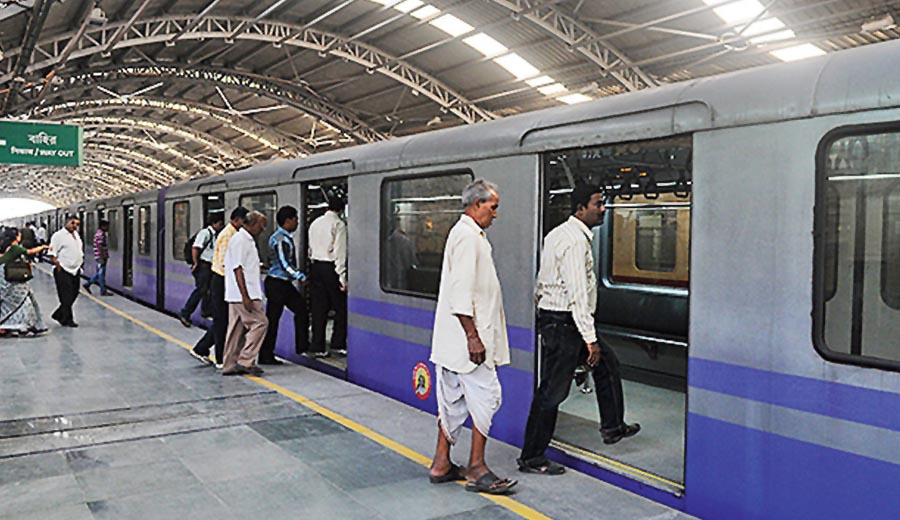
(641, 254)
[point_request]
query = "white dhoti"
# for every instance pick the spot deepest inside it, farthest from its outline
(476, 393)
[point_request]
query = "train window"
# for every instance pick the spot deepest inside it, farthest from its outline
(181, 228)
(857, 259)
(265, 203)
(112, 238)
(144, 230)
(650, 240)
(416, 216)
(890, 262)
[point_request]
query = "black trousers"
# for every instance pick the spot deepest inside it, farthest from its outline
(215, 335)
(202, 280)
(326, 295)
(67, 290)
(280, 294)
(562, 350)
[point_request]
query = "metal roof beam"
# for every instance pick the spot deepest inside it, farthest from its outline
(300, 98)
(40, 10)
(159, 30)
(574, 34)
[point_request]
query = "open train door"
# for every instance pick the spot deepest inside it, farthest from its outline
(316, 196)
(641, 263)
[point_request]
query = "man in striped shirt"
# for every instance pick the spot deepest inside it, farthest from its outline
(101, 255)
(566, 295)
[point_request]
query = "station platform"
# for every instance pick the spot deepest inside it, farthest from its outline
(115, 420)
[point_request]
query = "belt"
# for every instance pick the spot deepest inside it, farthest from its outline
(331, 262)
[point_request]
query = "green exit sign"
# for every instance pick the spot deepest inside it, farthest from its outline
(40, 143)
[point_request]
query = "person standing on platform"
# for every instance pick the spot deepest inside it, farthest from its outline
(469, 342)
(215, 335)
(20, 313)
(201, 268)
(280, 290)
(566, 295)
(68, 257)
(328, 276)
(101, 255)
(41, 234)
(243, 292)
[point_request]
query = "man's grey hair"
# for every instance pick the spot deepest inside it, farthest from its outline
(252, 217)
(479, 189)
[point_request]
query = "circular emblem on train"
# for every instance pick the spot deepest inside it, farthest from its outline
(422, 381)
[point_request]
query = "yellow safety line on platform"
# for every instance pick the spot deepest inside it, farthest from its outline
(503, 501)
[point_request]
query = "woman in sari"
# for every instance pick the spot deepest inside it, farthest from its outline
(19, 310)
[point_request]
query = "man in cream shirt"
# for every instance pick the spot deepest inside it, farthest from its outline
(469, 342)
(566, 294)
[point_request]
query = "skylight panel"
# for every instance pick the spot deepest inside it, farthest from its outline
(486, 45)
(537, 82)
(517, 65)
(737, 12)
(798, 52)
(426, 12)
(573, 99)
(386, 3)
(409, 5)
(451, 25)
(553, 90)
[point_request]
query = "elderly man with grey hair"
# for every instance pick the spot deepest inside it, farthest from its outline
(247, 323)
(469, 342)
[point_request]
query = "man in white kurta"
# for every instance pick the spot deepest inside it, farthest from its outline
(469, 342)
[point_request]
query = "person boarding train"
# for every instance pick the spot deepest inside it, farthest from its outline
(328, 276)
(566, 295)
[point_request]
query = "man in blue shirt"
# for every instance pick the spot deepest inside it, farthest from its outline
(280, 290)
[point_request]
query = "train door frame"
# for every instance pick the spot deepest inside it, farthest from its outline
(322, 184)
(603, 239)
(128, 244)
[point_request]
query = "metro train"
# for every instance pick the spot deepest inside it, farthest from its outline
(748, 265)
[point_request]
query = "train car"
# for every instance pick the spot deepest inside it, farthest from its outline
(748, 270)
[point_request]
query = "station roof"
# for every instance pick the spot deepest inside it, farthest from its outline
(168, 90)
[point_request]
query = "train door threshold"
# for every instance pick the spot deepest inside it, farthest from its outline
(619, 468)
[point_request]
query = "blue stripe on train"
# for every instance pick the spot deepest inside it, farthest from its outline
(520, 338)
(837, 400)
(737, 472)
(386, 364)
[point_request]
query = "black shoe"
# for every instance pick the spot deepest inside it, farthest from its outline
(71, 324)
(272, 361)
(184, 321)
(627, 430)
(87, 288)
(238, 370)
(255, 371)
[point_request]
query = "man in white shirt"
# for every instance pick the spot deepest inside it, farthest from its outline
(201, 260)
(68, 257)
(566, 295)
(246, 316)
(328, 276)
(41, 234)
(469, 342)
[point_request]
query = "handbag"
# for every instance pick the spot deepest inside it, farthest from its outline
(18, 271)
